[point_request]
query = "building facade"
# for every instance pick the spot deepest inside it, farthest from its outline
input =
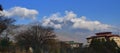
(105, 36)
(73, 44)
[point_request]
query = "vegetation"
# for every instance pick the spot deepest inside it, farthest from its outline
(38, 39)
(102, 46)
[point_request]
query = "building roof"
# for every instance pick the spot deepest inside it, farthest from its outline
(103, 34)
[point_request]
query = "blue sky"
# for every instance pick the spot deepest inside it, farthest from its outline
(106, 11)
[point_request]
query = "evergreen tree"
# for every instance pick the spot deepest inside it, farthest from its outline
(103, 46)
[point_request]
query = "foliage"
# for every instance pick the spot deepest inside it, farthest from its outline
(103, 46)
(5, 45)
(5, 42)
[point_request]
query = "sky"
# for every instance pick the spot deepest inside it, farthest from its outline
(80, 15)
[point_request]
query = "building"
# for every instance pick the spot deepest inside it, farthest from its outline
(73, 44)
(105, 36)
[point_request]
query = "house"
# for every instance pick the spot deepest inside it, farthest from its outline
(73, 44)
(105, 36)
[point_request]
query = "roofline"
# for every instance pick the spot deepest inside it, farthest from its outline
(102, 36)
(103, 33)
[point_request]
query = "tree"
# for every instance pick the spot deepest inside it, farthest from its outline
(5, 45)
(35, 37)
(65, 48)
(4, 21)
(1, 9)
(103, 46)
(52, 46)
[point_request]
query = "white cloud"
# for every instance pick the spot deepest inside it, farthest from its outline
(71, 20)
(21, 12)
(91, 25)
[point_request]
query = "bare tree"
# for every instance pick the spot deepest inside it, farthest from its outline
(4, 21)
(36, 37)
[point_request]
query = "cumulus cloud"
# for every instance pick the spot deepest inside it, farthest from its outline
(20, 12)
(71, 20)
